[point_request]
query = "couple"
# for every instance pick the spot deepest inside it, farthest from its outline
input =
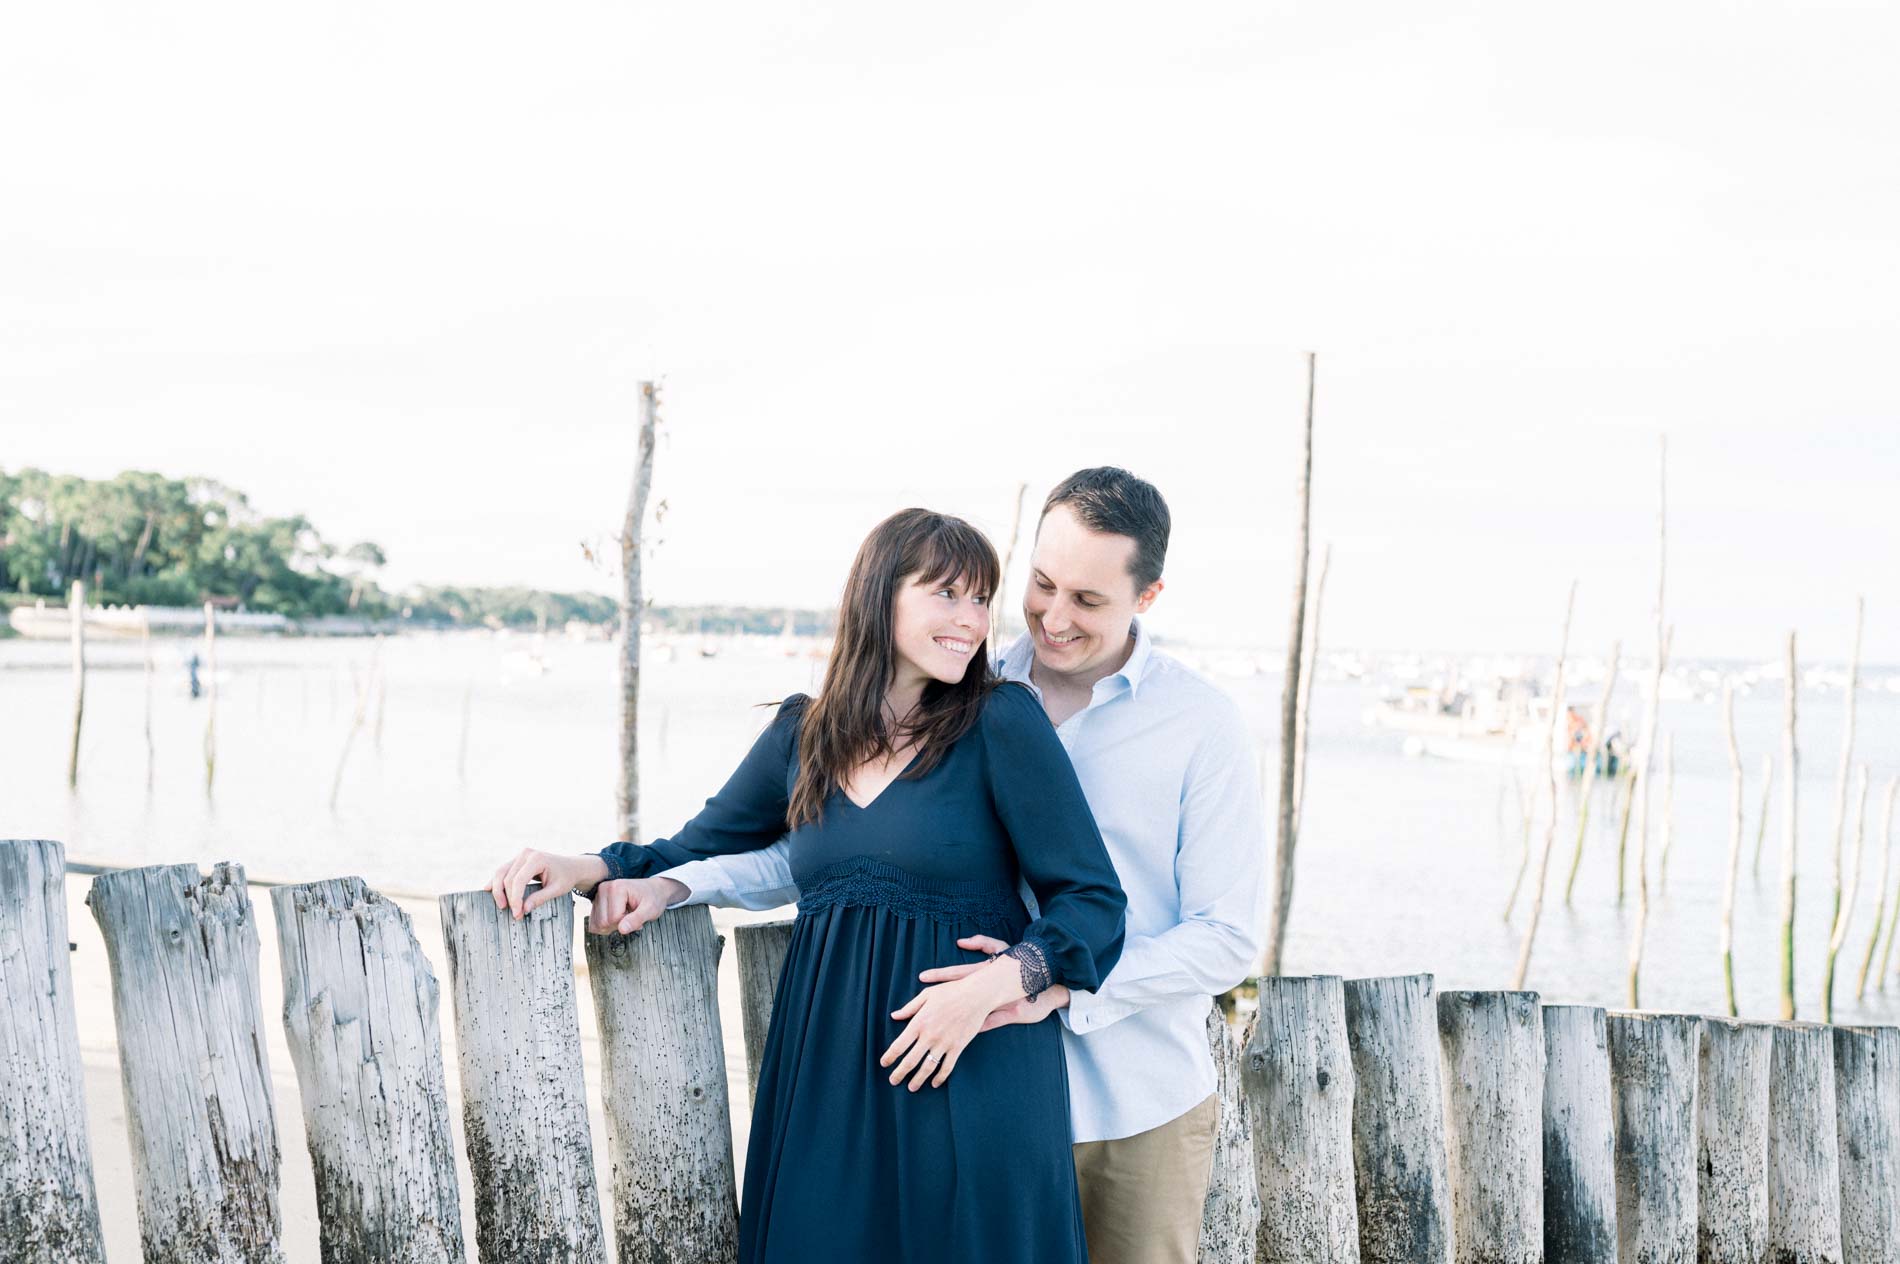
(918, 810)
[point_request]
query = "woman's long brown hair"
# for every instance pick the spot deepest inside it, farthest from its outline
(845, 725)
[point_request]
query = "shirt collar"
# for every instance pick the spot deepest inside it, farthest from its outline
(1016, 660)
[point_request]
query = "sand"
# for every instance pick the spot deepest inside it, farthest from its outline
(105, 1102)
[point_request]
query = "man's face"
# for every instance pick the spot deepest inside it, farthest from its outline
(1081, 597)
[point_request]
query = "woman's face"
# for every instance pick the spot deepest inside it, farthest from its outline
(938, 627)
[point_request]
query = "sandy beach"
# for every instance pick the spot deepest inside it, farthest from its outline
(105, 1103)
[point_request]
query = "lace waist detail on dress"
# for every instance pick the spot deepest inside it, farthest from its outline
(864, 882)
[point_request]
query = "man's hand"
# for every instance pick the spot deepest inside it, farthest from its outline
(557, 875)
(1053, 998)
(624, 905)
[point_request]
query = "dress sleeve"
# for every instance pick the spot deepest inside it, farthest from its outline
(748, 812)
(1078, 936)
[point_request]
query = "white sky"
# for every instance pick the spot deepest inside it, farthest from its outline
(399, 268)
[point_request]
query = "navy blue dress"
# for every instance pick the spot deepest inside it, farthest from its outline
(842, 1165)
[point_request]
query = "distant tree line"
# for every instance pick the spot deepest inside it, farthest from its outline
(145, 539)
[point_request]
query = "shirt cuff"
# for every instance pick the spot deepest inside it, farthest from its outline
(1089, 1011)
(696, 876)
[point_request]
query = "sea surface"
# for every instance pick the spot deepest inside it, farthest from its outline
(474, 745)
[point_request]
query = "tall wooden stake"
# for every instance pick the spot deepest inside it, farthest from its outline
(1790, 769)
(76, 616)
(1840, 804)
(1767, 795)
(1286, 838)
(1586, 784)
(1558, 715)
(1641, 789)
(1846, 915)
(1309, 667)
(999, 602)
(1886, 858)
(627, 794)
(1734, 844)
(151, 748)
(211, 699)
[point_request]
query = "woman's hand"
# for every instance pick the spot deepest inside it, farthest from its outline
(945, 1018)
(1052, 998)
(557, 875)
(624, 905)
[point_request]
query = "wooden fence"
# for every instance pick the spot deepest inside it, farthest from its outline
(1362, 1120)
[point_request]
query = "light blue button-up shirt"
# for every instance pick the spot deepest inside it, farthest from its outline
(1167, 764)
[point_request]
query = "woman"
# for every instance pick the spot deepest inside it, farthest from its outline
(916, 790)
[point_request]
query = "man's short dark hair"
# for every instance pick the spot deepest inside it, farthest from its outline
(1115, 502)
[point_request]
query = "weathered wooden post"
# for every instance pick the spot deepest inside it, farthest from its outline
(663, 1075)
(49, 1211)
(762, 948)
(76, 616)
(1579, 1127)
(1653, 1069)
(182, 948)
(1230, 1220)
(524, 1104)
(632, 606)
(1732, 1141)
(1804, 1164)
(361, 1012)
(1493, 1049)
(1398, 1121)
(1297, 1072)
(1867, 1109)
(1286, 840)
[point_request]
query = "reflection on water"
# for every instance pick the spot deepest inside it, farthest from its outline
(1405, 864)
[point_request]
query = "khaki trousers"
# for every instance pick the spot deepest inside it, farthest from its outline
(1143, 1196)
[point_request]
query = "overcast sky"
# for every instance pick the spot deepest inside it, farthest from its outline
(399, 268)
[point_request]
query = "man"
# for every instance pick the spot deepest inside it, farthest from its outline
(1167, 764)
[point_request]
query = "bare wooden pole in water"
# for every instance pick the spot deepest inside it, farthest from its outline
(999, 601)
(1841, 913)
(211, 699)
(1791, 770)
(1767, 794)
(1586, 784)
(1734, 844)
(632, 537)
(1886, 866)
(1641, 788)
(1846, 915)
(1287, 837)
(1641, 792)
(1558, 715)
(361, 690)
(151, 748)
(1627, 793)
(76, 616)
(1669, 807)
(1309, 667)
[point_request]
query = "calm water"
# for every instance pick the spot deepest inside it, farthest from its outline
(1404, 867)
